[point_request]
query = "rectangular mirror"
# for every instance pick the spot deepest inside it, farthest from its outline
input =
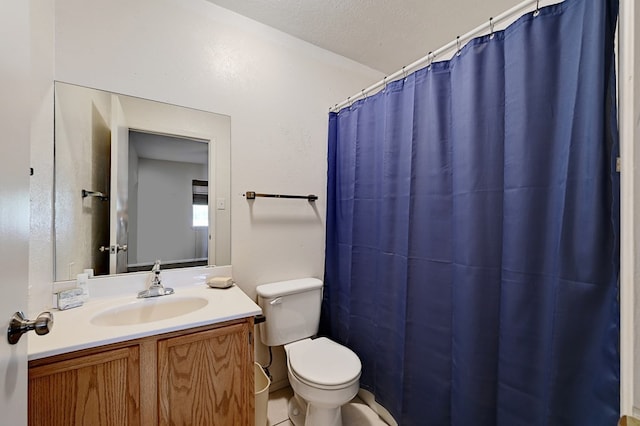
(138, 180)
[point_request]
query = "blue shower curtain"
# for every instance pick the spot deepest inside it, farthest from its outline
(471, 253)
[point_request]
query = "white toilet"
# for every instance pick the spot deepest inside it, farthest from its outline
(323, 374)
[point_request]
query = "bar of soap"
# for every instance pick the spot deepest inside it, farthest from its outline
(219, 282)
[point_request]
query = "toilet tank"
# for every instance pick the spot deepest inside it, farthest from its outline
(291, 309)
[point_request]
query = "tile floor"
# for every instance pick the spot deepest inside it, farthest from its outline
(355, 413)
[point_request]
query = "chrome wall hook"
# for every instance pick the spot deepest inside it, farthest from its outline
(95, 194)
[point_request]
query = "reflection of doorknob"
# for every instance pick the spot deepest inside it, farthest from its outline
(20, 325)
(113, 249)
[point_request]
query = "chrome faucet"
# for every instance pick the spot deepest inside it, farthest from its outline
(155, 288)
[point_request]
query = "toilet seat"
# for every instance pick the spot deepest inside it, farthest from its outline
(323, 364)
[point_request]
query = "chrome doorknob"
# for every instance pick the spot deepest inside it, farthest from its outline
(20, 325)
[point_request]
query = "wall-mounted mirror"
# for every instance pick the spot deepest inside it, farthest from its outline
(138, 180)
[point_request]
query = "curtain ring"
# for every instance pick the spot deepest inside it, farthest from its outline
(404, 73)
(384, 83)
(430, 58)
(537, 11)
(364, 95)
(458, 46)
(491, 35)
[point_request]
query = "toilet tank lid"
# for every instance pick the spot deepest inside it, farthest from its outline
(283, 288)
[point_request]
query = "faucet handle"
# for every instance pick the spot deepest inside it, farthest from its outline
(155, 288)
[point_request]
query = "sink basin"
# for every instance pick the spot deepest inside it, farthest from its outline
(148, 310)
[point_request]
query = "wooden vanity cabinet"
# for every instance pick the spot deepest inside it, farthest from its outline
(205, 376)
(98, 389)
(200, 376)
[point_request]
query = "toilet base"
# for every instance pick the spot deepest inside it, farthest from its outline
(303, 414)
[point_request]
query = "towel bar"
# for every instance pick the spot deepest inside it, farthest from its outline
(251, 195)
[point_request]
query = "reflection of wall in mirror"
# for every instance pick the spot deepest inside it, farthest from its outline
(163, 221)
(161, 171)
(81, 115)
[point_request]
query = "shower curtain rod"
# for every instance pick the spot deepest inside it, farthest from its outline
(457, 43)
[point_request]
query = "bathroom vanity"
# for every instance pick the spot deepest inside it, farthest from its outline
(104, 365)
(197, 376)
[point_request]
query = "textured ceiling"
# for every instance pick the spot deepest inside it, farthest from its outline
(382, 34)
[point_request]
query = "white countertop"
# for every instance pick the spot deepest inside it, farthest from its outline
(73, 329)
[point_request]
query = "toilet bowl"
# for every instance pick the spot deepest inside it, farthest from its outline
(324, 375)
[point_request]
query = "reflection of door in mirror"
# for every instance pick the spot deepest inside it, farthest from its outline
(119, 181)
(101, 178)
(168, 182)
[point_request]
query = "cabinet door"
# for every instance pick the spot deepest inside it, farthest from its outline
(100, 389)
(204, 378)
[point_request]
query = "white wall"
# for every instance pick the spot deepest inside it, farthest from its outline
(165, 199)
(276, 89)
(41, 190)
